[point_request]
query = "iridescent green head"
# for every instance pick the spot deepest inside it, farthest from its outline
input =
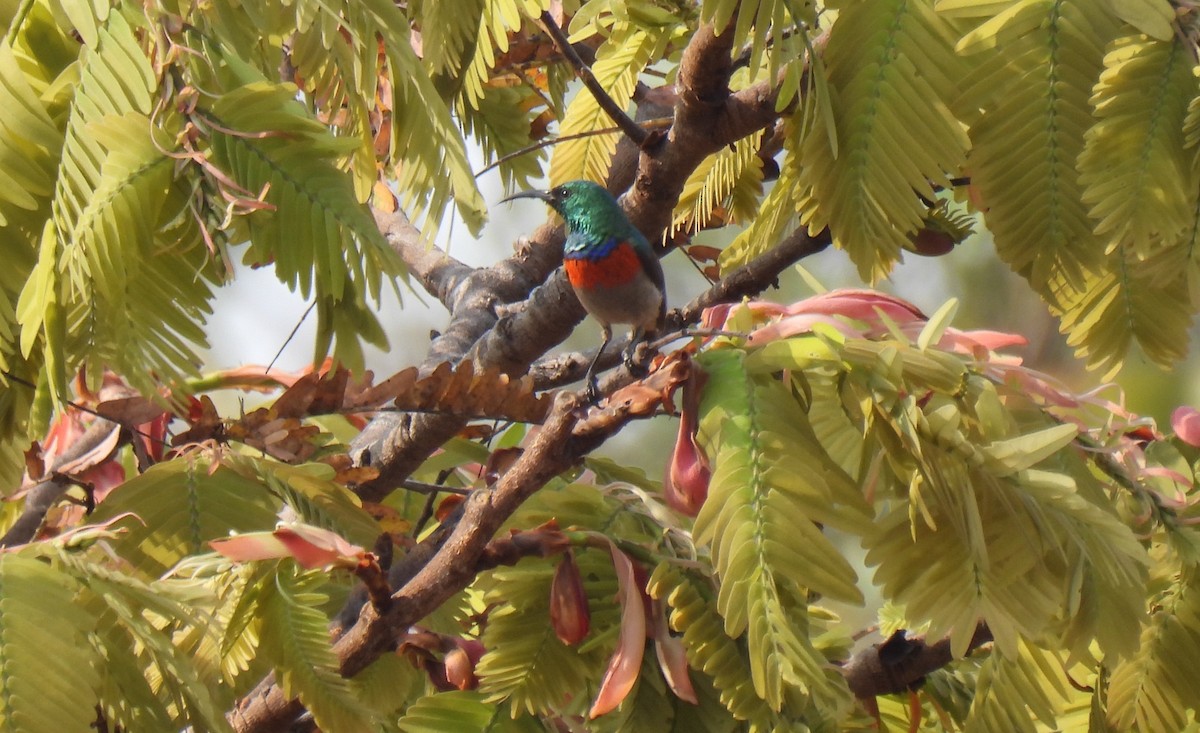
(586, 207)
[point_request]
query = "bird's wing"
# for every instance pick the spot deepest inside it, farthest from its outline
(653, 269)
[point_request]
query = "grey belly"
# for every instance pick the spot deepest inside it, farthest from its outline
(636, 303)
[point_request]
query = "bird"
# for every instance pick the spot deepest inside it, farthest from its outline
(610, 265)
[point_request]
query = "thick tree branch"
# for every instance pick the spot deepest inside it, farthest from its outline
(396, 443)
(567, 435)
(441, 275)
(632, 129)
(900, 663)
(707, 117)
(489, 329)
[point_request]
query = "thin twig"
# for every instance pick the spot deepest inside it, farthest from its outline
(421, 487)
(291, 335)
(631, 129)
(85, 409)
(658, 123)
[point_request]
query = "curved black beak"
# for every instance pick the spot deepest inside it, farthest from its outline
(541, 195)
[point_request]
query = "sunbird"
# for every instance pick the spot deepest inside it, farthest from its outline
(609, 263)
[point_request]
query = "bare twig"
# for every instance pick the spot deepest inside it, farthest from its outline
(755, 276)
(88, 410)
(420, 487)
(300, 322)
(660, 123)
(610, 107)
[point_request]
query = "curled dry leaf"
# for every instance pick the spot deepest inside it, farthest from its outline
(447, 506)
(642, 398)
(346, 472)
(134, 410)
(35, 467)
(498, 463)
(313, 394)
(462, 391)
(204, 421)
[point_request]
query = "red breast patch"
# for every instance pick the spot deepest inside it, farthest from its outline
(617, 268)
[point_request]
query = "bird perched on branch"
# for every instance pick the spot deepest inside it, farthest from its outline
(609, 263)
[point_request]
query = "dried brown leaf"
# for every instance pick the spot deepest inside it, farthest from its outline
(367, 395)
(34, 465)
(131, 410)
(463, 391)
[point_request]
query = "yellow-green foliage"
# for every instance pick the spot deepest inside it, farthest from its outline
(981, 515)
(881, 57)
(1028, 104)
(143, 145)
(765, 486)
(618, 62)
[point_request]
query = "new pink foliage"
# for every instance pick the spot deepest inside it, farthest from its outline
(311, 547)
(1185, 421)
(688, 473)
(857, 313)
(626, 661)
(569, 612)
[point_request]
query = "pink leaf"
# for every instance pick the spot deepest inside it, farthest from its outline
(672, 657)
(990, 340)
(800, 323)
(104, 478)
(569, 612)
(714, 317)
(311, 547)
(1185, 421)
(688, 473)
(626, 661)
(860, 304)
(250, 546)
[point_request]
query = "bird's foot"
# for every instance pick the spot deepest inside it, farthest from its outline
(592, 392)
(634, 360)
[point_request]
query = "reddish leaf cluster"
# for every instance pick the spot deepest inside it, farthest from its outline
(462, 391)
(456, 668)
(280, 431)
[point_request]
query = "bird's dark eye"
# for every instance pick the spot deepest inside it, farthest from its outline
(560, 192)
